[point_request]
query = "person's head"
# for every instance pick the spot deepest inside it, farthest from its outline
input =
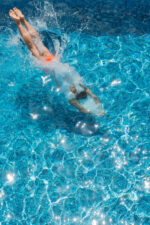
(73, 90)
(80, 95)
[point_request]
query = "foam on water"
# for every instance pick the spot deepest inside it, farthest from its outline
(67, 77)
(92, 106)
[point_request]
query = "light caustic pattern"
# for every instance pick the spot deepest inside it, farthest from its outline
(59, 166)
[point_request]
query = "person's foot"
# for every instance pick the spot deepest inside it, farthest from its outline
(14, 16)
(102, 113)
(19, 14)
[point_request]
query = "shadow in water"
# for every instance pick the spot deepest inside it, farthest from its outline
(100, 17)
(51, 40)
(114, 18)
(51, 112)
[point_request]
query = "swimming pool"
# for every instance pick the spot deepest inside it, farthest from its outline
(57, 165)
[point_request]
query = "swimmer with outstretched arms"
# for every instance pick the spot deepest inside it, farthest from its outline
(75, 91)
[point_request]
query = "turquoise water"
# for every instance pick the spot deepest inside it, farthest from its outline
(59, 166)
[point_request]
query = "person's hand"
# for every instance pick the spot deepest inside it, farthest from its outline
(101, 114)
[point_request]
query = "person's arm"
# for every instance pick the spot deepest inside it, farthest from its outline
(88, 91)
(75, 103)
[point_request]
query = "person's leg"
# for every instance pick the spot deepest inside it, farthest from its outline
(34, 34)
(25, 35)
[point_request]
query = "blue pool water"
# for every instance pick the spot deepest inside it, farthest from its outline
(57, 165)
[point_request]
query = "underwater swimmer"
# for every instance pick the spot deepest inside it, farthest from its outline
(72, 86)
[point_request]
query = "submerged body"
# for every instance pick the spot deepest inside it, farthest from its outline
(72, 86)
(67, 79)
